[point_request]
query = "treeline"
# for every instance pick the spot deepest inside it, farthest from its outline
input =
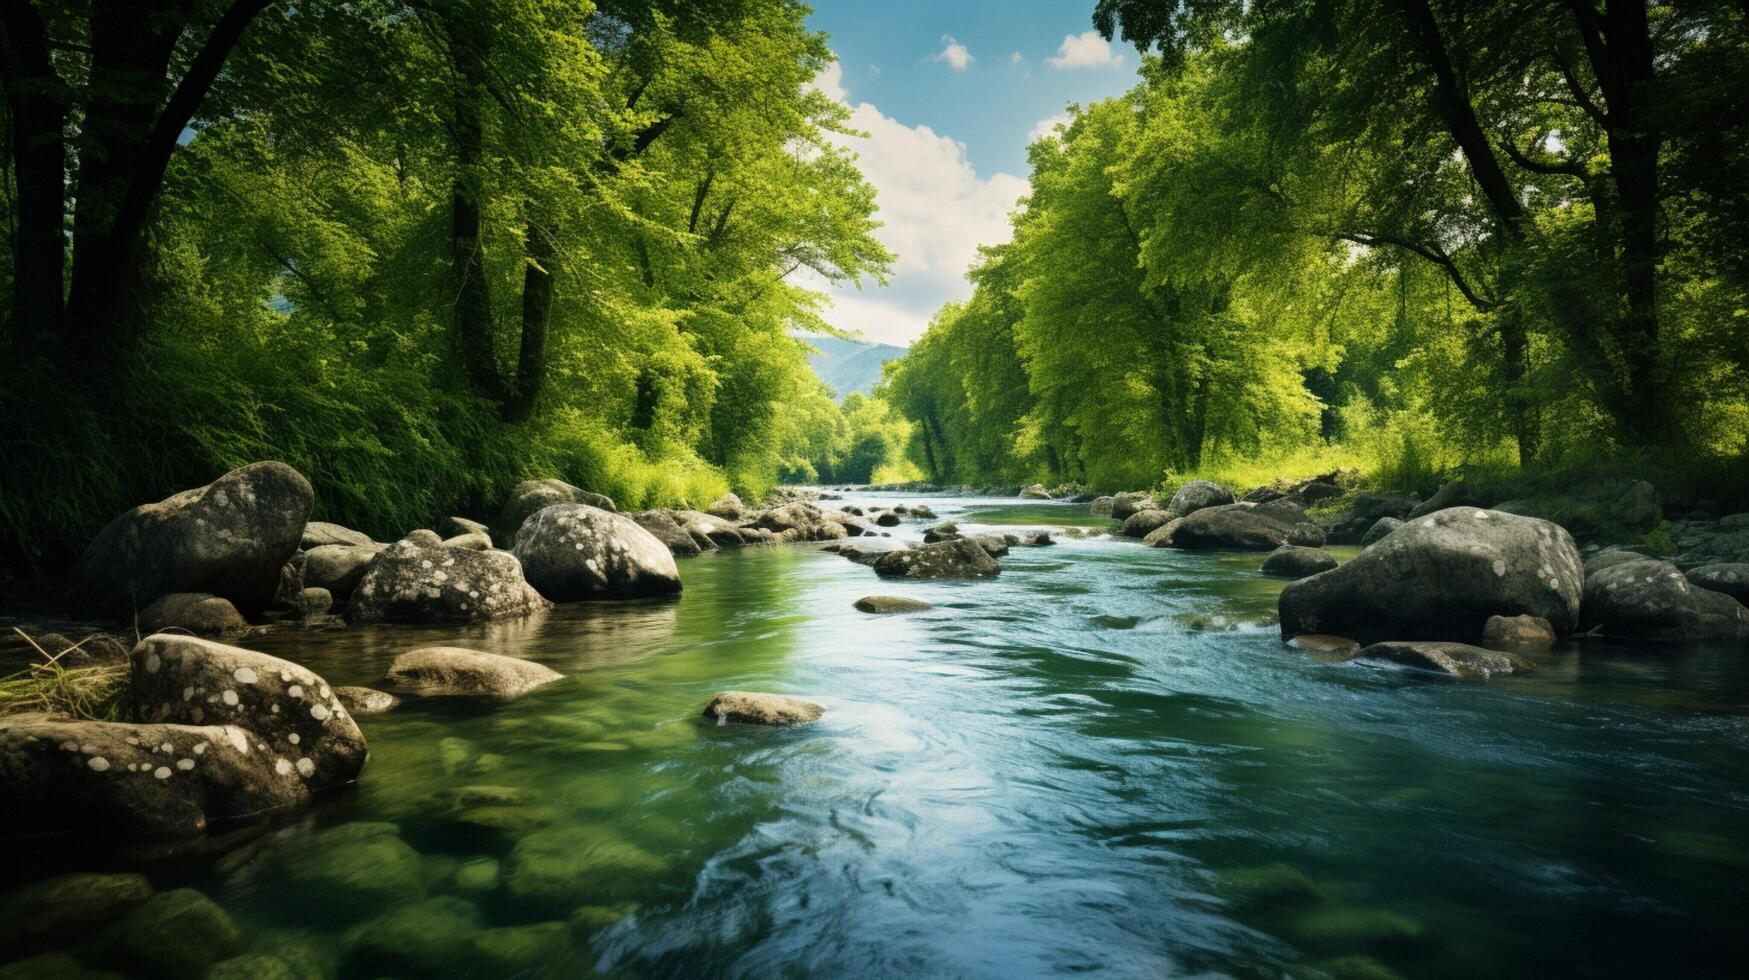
(1414, 236)
(419, 249)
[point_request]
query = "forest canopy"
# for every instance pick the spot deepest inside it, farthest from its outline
(1415, 236)
(420, 250)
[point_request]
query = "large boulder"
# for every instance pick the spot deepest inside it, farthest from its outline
(1196, 495)
(1440, 577)
(230, 538)
(719, 533)
(678, 540)
(1731, 578)
(1130, 501)
(571, 552)
(1035, 491)
(417, 580)
(61, 776)
(337, 567)
(70, 905)
(1145, 522)
(1379, 529)
(727, 507)
(290, 713)
(455, 672)
(1653, 600)
(1294, 561)
(1240, 527)
(958, 558)
(1456, 659)
(533, 496)
(201, 613)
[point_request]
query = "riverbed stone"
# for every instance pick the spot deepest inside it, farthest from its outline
(1350, 524)
(1379, 529)
(1126, 504)
(560, 868)
(803, 521)
(253, 966)
(1456, 659)
(337, 567)
(69, 904)
(364, 701)
(1326, 646)
(1102, 505)
(1653, 600)
(312, 603)
(1196, 495)
(456, 672)
(451, 527)
(880, 604)
(1035, 491)
(428, 938)
(410, 582)
(1519, 634)
(945, 531)
(229, 538)
(1295, 561)
(516, 950)
(1145, 522)
(530, 497)
(178, 934)
(61, 776)
(319, 533)
(341, 873)
(1233, 527)
(1731, 578)
(755, 708)
(200, 613)
(720, 533)
(960, 558)
(728, 507)
(571, 552)
(53, 966)
(1440, 577)
(679, 541)
(473, 540)
(290, 712)
(1267, 887)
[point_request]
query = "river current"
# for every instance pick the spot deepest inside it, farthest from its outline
(1102, 761)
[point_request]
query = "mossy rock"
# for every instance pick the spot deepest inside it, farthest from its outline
(423, 939)
(1353, 968)
(587, 920)
(516, 949)
(177, 934)
(350, 869)
(253, 966)
(476, 876)
(53, 966)
(1349, 928)
(1267, 886)
(69, 903)
(563, 867)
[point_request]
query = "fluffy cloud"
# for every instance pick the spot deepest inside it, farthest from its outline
(1046, 126)
(1085, 50)
(955, 54)
(935, 210)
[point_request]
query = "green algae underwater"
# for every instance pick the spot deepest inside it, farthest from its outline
(1102, 761)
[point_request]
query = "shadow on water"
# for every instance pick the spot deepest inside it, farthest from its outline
(1103, 760)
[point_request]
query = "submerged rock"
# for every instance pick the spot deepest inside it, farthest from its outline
(229, 538)
(420, 939)
(1653, 600)
(959, 558)
(1325, 646)
(516, 950)
(1295, 561)
(571, 552)
(290, 713)
(1440, 577)
(411, 582)
(201, 613)
(178, 934)
(560, 868)
(70, 904)
(891, 604)
(754, 708)
(1455, 659)
(455, 672)
(341, 873)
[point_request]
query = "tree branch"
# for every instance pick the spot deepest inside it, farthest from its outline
(1431, 253)
(1569, 168)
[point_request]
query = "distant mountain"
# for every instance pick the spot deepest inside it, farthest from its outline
(849, 365)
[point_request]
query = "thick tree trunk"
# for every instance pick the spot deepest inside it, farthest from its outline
(472, 299)
(537, 306)
(37, 101)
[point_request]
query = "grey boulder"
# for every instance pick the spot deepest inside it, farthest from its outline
(1459, 660)
(1295, 561)
(414, 582)
(1196, 495)
(1653, 600)
(533, 496)
(958, 558)
(571, 552)
(455, 672)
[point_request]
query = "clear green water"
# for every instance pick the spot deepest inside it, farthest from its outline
(1102, 761)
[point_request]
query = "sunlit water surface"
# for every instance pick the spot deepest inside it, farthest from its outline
(1102, 761)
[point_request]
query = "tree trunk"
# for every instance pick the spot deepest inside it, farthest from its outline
(1514, 345)
(473, 302)
(37, 101)
(540, 256)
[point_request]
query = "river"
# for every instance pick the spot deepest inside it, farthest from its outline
(1102, 761)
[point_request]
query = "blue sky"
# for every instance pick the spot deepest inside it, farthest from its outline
(949, 95)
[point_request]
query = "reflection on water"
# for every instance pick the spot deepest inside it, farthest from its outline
(1102, 760)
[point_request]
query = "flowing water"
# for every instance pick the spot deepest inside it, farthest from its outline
(1102, 761)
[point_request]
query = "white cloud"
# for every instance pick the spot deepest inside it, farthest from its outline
(955, 54)
(1046, 126)
(935, 211)
(1085, 50)
(830, 80)
(1016, 59)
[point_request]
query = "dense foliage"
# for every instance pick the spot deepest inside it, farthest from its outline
(1416, 235)
(420, 249)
